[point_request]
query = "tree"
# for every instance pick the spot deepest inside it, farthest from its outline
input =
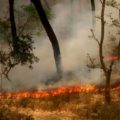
(107, 68)
(51, 35)
(18, 48)
(13, 24)
(93, 11)
(19, 41)
(107, 71)
(22, 44)
(93, 5)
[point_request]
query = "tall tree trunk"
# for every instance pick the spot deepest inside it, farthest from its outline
(107, 89)
(1, 83)
(51, 35)
(93, 11)
(93, 5)
(107, 71)
(13, 24)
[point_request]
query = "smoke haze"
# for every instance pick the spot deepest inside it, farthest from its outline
(72, 26)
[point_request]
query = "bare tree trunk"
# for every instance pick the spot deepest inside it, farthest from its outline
(93, 5)
(119, 14)
(1, 83)
(107, 89)
(51, 35)
(93, 11)
(107, 71)
(13, 24)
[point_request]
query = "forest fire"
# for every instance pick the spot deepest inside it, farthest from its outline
(53, 92)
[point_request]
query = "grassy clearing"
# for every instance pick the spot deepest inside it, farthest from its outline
(82, 106)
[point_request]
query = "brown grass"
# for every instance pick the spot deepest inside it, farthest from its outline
(82, 106)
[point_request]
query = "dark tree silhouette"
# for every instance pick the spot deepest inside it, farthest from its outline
(20, 49)
(12, 22)
(93, 5)
(107, 69)
(93, 11)
(51, 35)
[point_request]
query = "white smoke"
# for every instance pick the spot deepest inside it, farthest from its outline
(72, 26)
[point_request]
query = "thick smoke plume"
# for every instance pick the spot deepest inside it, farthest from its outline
(72, 26)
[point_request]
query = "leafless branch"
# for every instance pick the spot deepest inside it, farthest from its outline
(92, 63)
(93, 35)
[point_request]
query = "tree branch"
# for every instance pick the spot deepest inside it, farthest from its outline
(102, 37)
(93, 35)
(51, 35)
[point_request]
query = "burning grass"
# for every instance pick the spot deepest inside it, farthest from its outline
(48, 92)
(66, 106)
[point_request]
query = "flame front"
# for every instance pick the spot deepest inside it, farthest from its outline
(51, 92)
(48, 92)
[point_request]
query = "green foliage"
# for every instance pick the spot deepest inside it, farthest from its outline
(17, 53)
(23, 52)
(47, 10)
(20, 52)
(31, 11)
(32, 18)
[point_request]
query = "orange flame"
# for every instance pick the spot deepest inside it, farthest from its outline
(112, 58)
(48, 92)
(51, 92)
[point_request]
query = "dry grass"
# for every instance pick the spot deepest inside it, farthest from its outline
(82, 106)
